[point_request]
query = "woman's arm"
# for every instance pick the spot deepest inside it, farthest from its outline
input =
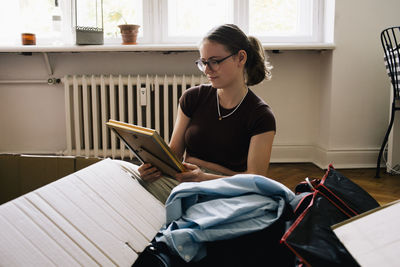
(194, 174)
(177, 143)
(210, 166)
(260, 153)
(257, 161)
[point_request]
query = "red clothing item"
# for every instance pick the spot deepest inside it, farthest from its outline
(225, 142)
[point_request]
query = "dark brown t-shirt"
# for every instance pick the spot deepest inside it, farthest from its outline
(225, 142)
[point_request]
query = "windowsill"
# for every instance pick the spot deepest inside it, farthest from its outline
(151, 47)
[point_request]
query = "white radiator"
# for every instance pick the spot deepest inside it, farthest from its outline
(90, 101)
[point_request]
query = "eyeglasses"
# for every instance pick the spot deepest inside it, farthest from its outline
(213, 64)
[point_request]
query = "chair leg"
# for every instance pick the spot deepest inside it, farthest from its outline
(378, 164)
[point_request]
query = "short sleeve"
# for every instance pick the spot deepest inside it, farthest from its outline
(264, 120)
(189, 101)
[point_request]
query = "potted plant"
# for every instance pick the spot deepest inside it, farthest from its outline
(129, 32)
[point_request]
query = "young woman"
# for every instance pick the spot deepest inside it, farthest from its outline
(222, 128)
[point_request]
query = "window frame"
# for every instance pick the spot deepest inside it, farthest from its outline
(241, 18)
(155, 24)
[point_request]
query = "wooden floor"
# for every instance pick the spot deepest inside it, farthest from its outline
(385, 189)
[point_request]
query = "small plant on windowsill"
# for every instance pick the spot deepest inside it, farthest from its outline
(129, 32)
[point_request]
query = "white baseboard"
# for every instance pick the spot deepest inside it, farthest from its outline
(340, 158)
(292, 153)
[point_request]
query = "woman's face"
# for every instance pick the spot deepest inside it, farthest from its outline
(226, 73)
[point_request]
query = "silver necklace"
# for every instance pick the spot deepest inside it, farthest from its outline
(227, 115)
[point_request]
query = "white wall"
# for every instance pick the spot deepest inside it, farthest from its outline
(331, 106)
(358, 94)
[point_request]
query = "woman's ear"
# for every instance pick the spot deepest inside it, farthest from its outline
(242, 55)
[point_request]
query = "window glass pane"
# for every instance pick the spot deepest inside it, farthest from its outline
(121, 12)
(195, 18)
(273, 17)
(34, 16)
(88, 13)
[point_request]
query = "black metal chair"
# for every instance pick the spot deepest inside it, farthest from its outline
(390, 39)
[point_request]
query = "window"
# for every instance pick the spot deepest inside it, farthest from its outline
(169, 21)
(183, 23)
(283, 20)
(269, 20)
(20, 16)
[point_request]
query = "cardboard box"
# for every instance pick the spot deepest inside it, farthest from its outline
(20, 174)
(98, 216)
(373, 238)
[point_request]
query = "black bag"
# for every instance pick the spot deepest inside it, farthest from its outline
(322, 204)
(156, 254)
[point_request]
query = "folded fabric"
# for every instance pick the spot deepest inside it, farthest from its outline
(220, 209)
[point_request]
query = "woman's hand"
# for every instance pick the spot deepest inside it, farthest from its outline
(192, 174)
(149, 173)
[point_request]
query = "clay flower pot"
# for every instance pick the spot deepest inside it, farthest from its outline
(129, 33)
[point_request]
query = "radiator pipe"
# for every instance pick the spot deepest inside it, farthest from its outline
(49, 81)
